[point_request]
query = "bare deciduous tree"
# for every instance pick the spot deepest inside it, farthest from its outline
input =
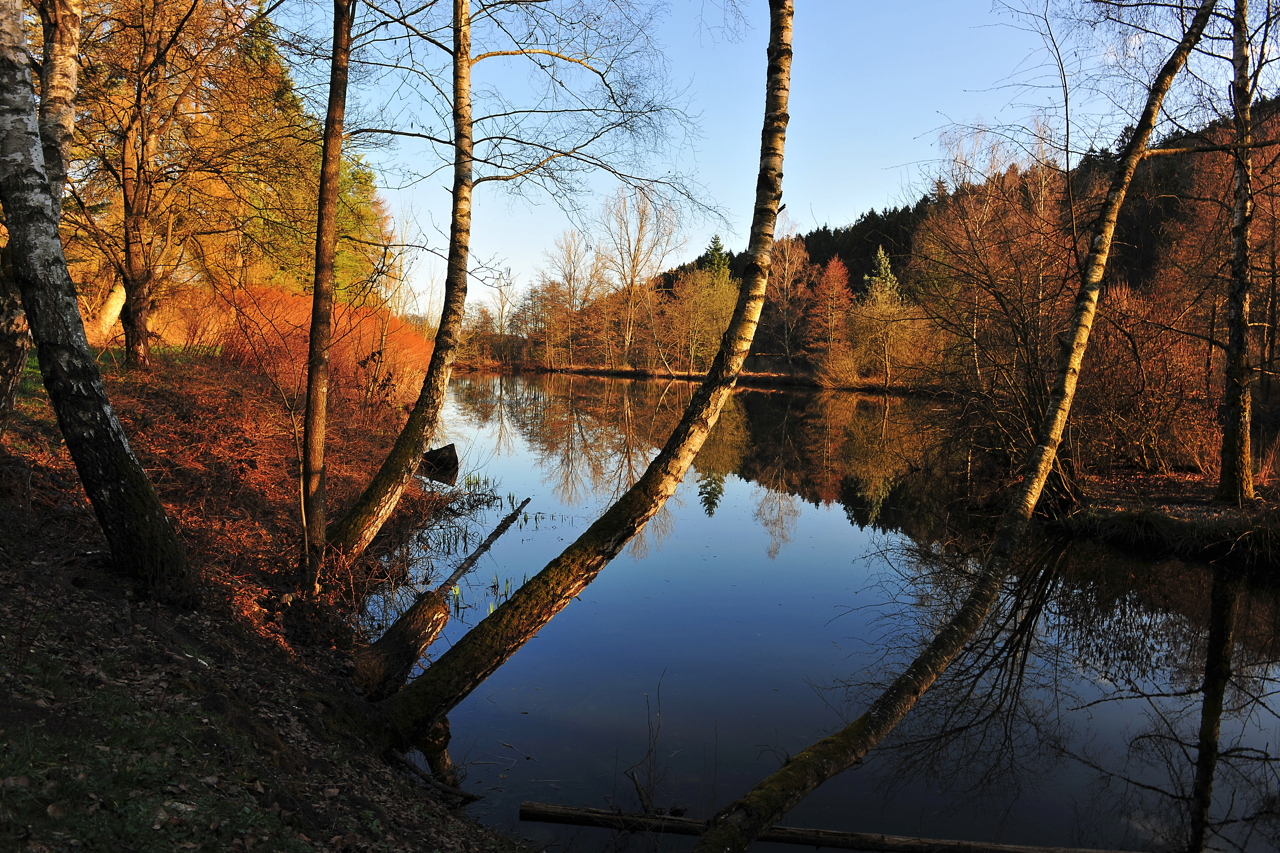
(599, 104)
(740, 823)
(639, 233)
(416, 709)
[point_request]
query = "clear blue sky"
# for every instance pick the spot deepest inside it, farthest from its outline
(873, 85)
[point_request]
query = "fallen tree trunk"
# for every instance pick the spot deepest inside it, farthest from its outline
(665, 824)
(382, 667)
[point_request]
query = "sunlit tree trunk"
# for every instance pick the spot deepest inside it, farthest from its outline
(142, 540)
(60, 25)
(314, 421)
(1235, 481)
(137, 194)
(414, 710)
(59, 73)
(357, 529)
(739, 824)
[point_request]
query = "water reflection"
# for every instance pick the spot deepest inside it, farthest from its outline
(887, 460)
(1138, 678)
(819, 544)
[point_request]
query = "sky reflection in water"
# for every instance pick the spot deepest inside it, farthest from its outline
(727, 637)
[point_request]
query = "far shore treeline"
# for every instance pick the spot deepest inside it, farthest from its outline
(966, 292)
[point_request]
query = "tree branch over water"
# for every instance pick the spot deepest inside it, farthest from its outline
(416, 708)
(737, 826)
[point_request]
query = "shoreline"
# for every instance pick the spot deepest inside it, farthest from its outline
(752, 379)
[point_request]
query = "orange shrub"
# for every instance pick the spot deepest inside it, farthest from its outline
(376, 358)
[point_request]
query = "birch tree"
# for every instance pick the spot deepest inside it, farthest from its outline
(639, 233)
(59, 68)
(740, 823)
(598, 104)
(415, 709)
(141, 538)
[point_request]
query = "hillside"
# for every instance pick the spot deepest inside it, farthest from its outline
(130, 725)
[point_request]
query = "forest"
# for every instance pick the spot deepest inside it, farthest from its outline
(964, 292)
(240, 602)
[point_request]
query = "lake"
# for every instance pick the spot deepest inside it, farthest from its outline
(811, 553)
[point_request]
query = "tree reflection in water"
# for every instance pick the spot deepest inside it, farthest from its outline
(1080, 634)
(1183, 654)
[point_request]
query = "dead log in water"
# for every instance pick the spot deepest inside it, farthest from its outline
(548, 813)
(382, 667)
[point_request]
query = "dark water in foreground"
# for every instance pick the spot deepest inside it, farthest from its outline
(795, 570)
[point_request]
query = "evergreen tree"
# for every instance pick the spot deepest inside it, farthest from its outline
(882, 284)
(710, 491)
(715, 258)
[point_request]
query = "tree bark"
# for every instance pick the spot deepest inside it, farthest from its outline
(60, 24)
(59, 78)
(738, 825)
(109, 313)
(321, 336)
(414, 710)
(143, 543)
(136, 195)
(1235, 479)
(15, 336)
(356, 530)
(381, 668)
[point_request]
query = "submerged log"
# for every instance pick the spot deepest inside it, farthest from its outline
(440, 465)
(548, 813)
(382, 668)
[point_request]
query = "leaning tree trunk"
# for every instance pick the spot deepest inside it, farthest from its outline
(414, 710)
(59, 66)
(356, 530)
(141, 538)
(739, 824)
(319, 342)
(1235, 480)
(382, 667)
(59, 70)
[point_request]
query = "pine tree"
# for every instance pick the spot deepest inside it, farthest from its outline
(715, 259)
(882, 284)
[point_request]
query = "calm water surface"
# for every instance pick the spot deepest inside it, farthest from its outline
(761, 609)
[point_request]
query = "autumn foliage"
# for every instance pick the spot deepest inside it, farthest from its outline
(377, 359)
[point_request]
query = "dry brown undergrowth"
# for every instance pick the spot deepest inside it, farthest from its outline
(128, 725)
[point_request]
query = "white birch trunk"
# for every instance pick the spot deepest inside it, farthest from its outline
(141, 538)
